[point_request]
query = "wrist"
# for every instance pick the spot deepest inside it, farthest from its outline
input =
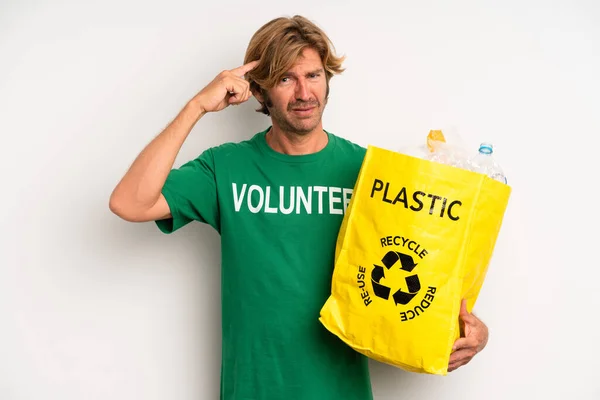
(195, 108)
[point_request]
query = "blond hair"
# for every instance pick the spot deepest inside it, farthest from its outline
(278, 44)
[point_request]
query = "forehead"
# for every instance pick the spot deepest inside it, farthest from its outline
(308, 60)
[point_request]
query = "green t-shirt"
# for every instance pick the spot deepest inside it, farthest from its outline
(278, 217)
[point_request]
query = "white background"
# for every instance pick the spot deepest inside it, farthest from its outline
(92, 307)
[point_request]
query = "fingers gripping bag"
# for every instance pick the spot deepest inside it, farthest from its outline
(416, 239)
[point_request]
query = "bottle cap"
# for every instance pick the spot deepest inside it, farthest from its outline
(433, 138)
(486, 148)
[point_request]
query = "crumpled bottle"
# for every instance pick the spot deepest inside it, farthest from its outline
(484, 162)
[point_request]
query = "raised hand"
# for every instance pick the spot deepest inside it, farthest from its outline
(229, 87)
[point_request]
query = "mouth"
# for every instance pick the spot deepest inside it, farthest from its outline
(304, 111)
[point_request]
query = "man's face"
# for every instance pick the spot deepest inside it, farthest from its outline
(297, 101)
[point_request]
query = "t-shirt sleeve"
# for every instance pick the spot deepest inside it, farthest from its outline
(191, 193)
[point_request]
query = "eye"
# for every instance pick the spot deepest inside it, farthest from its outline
(314, 75)
(285, 79)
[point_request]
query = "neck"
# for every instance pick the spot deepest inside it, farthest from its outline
(293, 144)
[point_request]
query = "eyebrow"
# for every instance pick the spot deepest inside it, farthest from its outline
(317, 71)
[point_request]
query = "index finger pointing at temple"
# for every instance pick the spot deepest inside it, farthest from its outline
(242, 70)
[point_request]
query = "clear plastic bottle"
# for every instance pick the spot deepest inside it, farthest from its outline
(483, 162)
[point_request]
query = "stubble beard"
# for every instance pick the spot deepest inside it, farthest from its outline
(298, 126)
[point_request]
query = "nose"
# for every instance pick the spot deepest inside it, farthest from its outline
(302, 92)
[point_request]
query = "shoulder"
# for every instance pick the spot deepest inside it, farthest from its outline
(234, 147)
(349, 148)
(228, 150)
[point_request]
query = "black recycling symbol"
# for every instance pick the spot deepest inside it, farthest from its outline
(412, 281)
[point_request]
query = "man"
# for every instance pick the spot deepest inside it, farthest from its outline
(277, 201)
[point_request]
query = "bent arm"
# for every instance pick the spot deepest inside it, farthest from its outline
(137, 197)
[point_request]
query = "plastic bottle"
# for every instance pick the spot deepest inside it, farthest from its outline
(483, 162)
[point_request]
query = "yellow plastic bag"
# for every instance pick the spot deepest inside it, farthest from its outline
(416, 239)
